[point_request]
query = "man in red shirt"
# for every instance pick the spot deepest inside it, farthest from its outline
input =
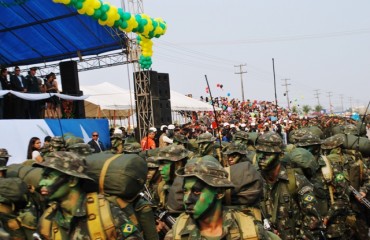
(148, 142)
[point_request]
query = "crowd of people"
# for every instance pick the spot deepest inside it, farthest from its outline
(13, 107)
(255, 172)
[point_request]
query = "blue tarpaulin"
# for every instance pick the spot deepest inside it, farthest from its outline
(38, 31)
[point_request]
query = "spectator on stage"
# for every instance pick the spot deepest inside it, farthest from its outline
(33, 151)
(33, 87)
(96, 144)
(19, 106)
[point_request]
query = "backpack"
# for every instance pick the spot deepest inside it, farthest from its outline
(101, 227)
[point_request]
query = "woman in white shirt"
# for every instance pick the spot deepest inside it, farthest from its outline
(33, 151)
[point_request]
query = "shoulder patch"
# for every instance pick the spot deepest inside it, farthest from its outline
(308, 198)
(127, 229)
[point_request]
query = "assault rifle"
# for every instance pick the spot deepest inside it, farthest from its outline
(159, 214)
(359, 196)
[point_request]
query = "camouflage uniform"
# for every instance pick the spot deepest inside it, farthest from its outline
(234, 223)
(116, 141)
(70, 164)
(346, 169)
(238, 151)
(289, 202)
(132, 147)
(82, 149)
(4, 157)
(207, 146)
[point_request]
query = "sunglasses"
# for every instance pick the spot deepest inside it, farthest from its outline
(95, 135)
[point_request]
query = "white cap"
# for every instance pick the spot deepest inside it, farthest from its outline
(253, 124)
(226, 124)
(232, 126)
(171, 127)
(117, 131)
(266, 124)
(163, 126)
(152, 129)
(243, 125)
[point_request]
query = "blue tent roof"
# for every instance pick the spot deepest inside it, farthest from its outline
(35, 31)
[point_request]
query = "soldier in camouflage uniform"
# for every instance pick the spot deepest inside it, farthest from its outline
(116, 141)
(4, 157)
(132, 147)
(289, 202)
(170, 159)
(311, 142)
(205, 183)
(82, 149)
(69, 216)
(57, 143)
(341, 168)
(235, 153)
(207, 146)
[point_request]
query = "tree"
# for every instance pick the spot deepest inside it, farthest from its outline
(318, 108)
(306, 109)
(295, 109)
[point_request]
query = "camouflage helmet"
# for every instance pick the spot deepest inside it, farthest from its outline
(180, 139)
(206, 137)
(308, 139)
(269, 142)
(57, 142)
(83, 149)
(66, 162)
(350, 129)
(209, 171)
(172, 153)
(117, 136)
(4, 153)
(241, 135)
(333, 142)
(73, 140)
(134, 147)
(236, 148)
(151, 163)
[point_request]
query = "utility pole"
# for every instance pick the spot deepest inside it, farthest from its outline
(241, 77)
(317, 94)
(350, 104)
(330, 106)
(286, 89)
(341, 101)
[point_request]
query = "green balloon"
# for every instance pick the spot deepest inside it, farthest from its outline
(103, 16)
(124, 24)
(97, 14)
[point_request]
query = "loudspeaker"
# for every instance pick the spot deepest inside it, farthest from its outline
(164, 86)
(162, 112)
(153, 82)
(69, 77)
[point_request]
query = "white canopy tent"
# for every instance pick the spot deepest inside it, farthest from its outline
(107, 100)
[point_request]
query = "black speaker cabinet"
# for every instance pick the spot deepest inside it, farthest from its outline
(69, 77)
(164, 86)
(162, 112)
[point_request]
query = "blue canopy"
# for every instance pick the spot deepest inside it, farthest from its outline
(38, 31)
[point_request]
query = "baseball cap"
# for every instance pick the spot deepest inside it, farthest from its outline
(152, 129)
(171, 127)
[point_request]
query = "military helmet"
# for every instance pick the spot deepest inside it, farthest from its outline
(333, 142)
(236, 148)
(57, 142)
(209, 171)
(132, 147)
(308, 139)
(83, 149)
(180, 138)
(4, 153)
(241, 135)
(206, 137)
(117, 136)
(151, 163)
(66, 162)
(172, 153)
(73, 140)
(350, 129)
(269, 142)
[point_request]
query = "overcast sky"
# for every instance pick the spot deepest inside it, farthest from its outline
(316, 44)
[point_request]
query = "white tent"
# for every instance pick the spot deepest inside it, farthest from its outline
(108, 100)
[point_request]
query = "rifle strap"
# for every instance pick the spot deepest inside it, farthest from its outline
(104, 172)
(247, 227)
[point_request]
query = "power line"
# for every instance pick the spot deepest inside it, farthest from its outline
(330, 106)
(317, 94)
(286, 89)
(241, 77)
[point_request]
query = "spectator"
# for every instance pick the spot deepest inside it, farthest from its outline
(95, 143)
(148, 142)
(33, 151)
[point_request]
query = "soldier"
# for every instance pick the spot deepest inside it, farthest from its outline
(116, 141)
(311, 142)
(82, 149)
(205, 183)
(132, 147)
(75, 214)
(4, 157)
(236, 153)
(57, 143)
(289, 202)
(207, 146)
(341, 168)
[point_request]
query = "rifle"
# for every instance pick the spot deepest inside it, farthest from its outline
(159, 214)
(364, 201)
(222, 160)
